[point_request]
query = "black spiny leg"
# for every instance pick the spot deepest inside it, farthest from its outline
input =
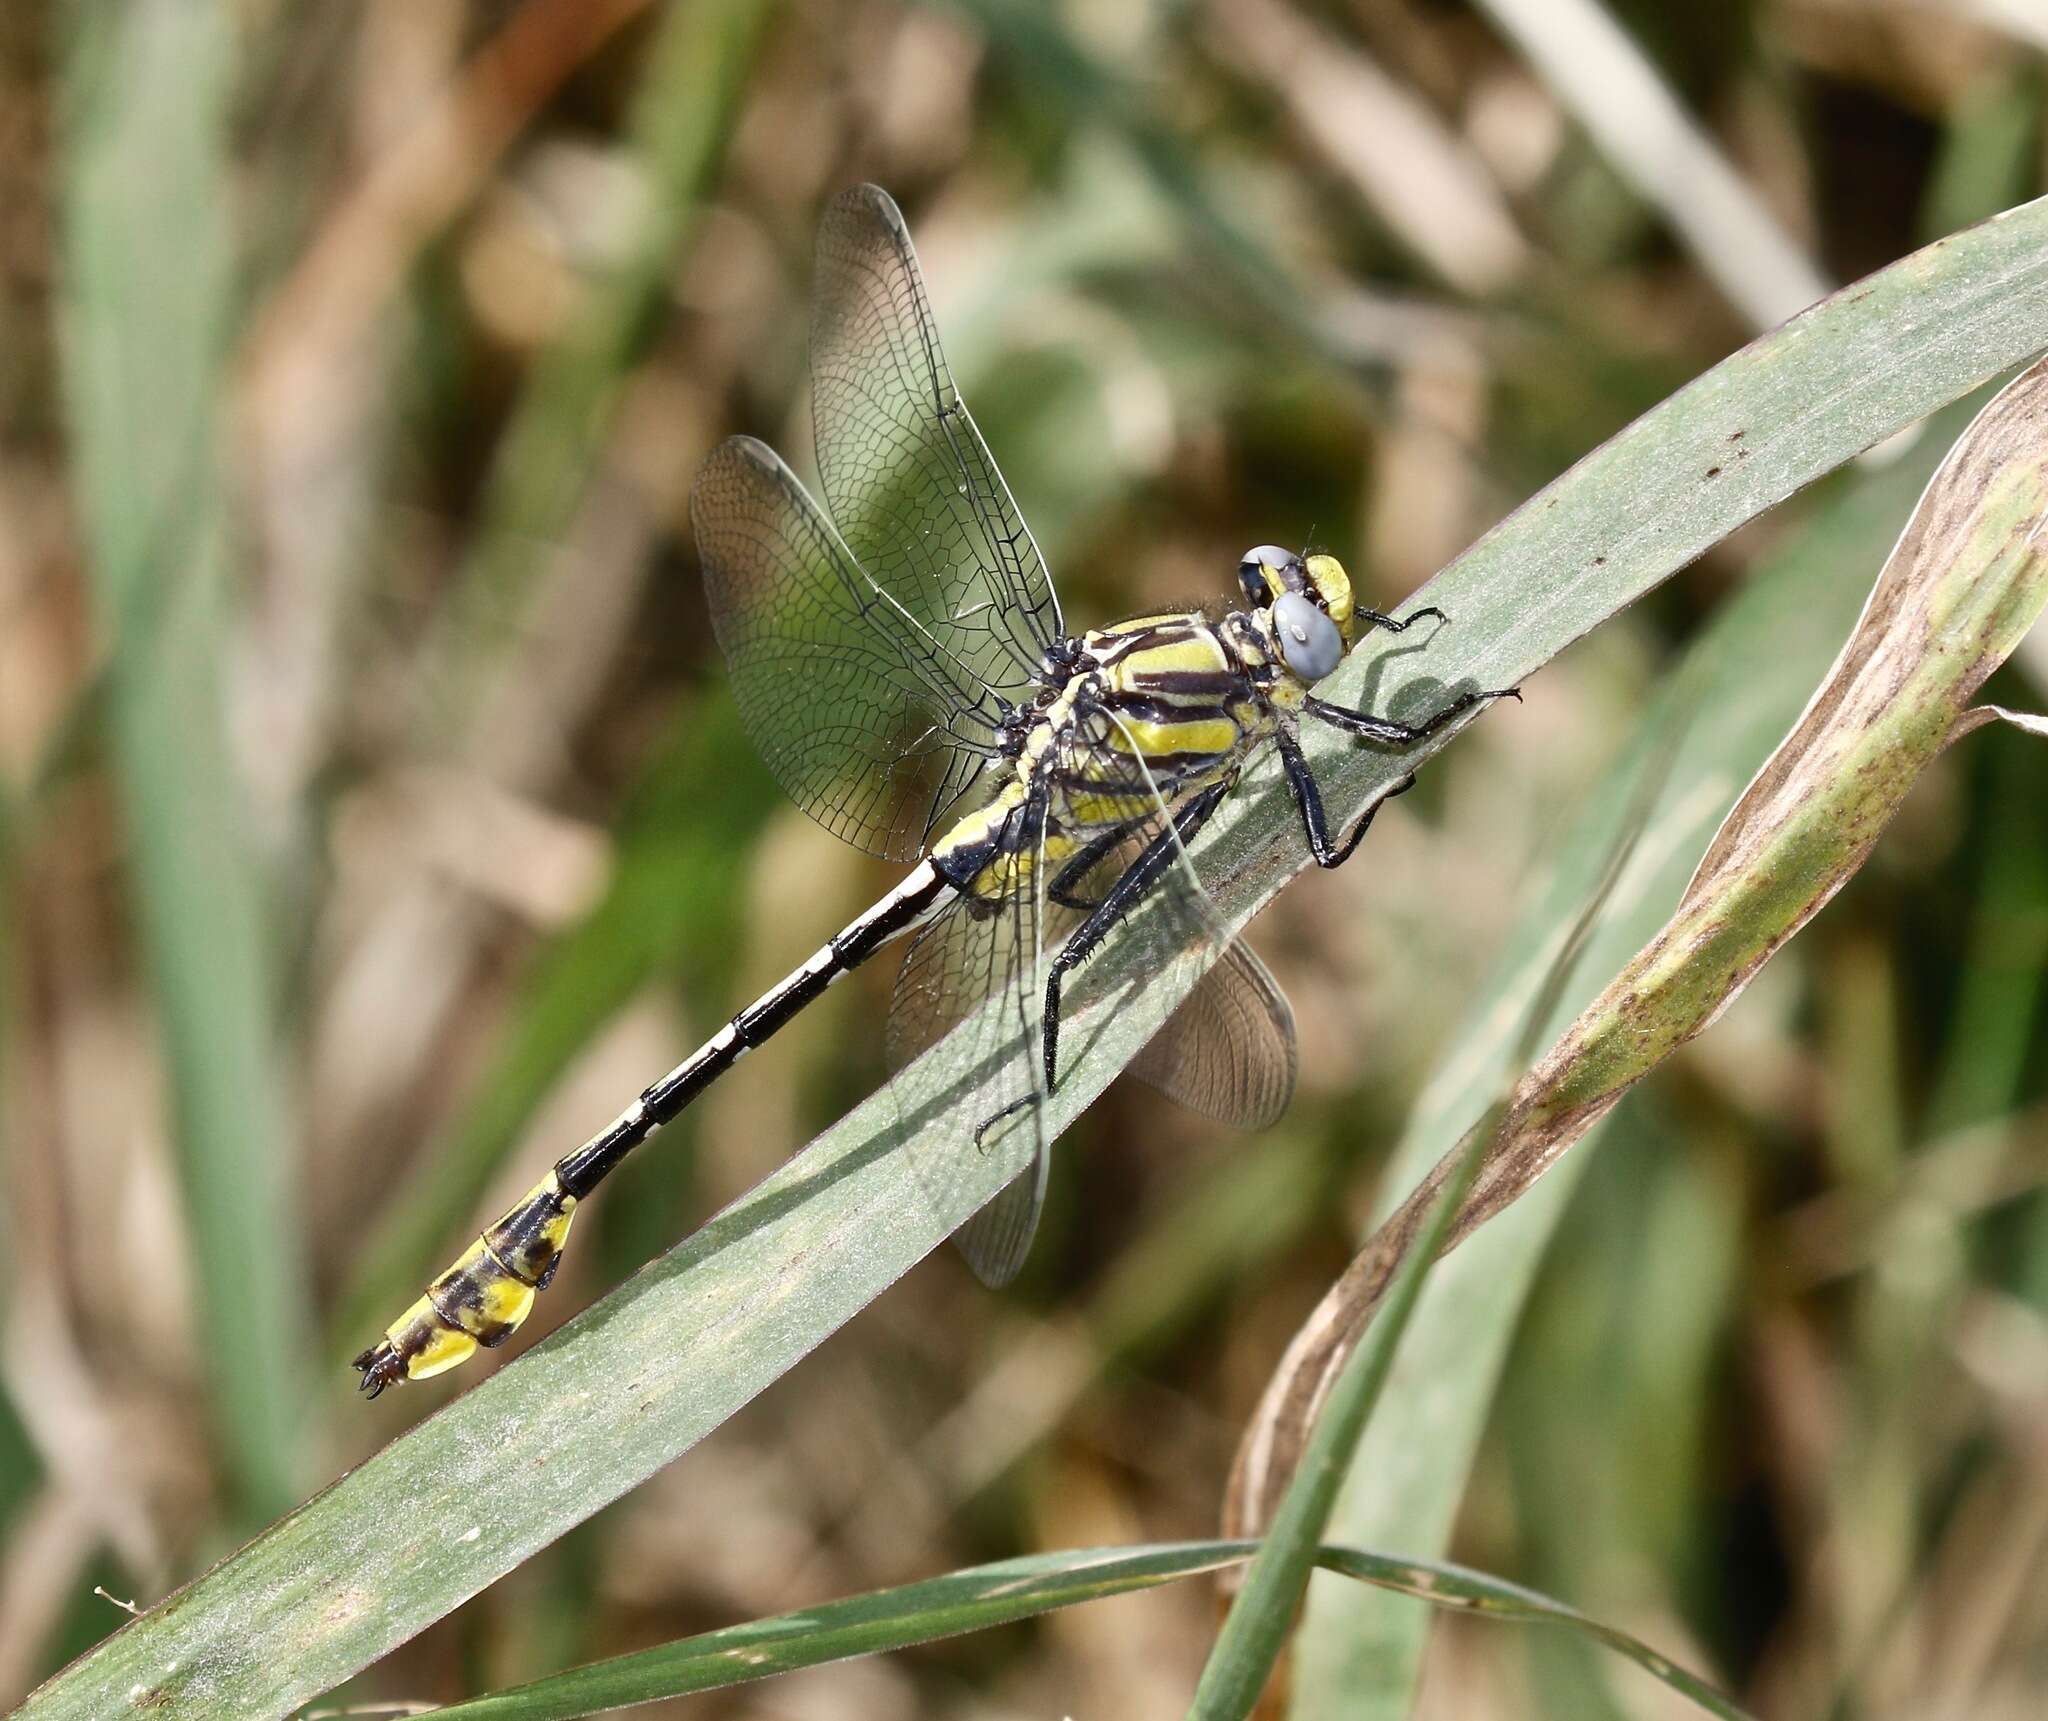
(1062, 889)
(1117, 901)
(1078, 867)
(1308, 797)
(1399, 734)
(1375, 619)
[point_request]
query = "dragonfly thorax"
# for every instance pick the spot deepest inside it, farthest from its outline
(1149, 711)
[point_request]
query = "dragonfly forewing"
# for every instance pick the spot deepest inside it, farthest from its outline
(868, 723)
(910, 482)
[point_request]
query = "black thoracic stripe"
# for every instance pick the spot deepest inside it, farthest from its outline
(1175, 633)
(1216, 684)
(897, 913)
(1166, 710)
(1118, 645)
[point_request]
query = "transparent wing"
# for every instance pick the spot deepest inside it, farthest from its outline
(997, 1240)
(867, 722)
(983, 973)
(1228, 1052)
(908, 478)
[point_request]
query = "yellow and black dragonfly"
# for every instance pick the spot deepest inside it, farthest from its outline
(903, 666)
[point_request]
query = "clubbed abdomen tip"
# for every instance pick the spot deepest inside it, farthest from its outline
(481, 1299)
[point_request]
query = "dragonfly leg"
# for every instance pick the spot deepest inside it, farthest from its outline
(1394, 734)
(1139, 877)
(1375, 619)
(995, 1117)
(1061, 890)
(1308, 797)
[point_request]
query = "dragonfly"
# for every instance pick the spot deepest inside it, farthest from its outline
(902, 664)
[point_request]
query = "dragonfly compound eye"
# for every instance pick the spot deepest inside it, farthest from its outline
(1264, 574)
(1309, 642)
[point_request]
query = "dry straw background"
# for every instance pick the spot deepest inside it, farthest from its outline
(373, 820)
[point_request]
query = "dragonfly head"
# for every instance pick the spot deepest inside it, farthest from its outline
(1306, 604)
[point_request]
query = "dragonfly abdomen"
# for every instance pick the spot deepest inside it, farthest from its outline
(481, 1299)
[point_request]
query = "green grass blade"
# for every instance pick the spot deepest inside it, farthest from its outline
(148, 294)
(1741, 685)
(1442, 1584)
(1981, 1071)
(1262, 1613)
(1967, 579)
(638, 1379)
(998, 1594)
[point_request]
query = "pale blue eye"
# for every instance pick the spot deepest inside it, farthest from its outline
(1309, 642)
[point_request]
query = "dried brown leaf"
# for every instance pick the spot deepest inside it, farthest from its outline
(1962, 586)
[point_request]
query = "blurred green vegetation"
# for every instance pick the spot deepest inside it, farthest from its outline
(375, 821)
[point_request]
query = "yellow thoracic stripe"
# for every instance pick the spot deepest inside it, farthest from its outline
(1153, 740)
(984, 822)
(1191, 654)
(1108, 809)
(1011, 870)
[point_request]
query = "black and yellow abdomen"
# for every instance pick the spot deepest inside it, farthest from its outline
(483, 1297)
